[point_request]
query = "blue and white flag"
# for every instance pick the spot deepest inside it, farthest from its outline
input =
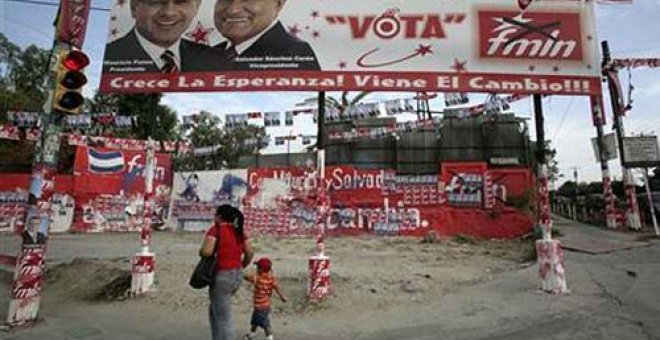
(105, 162)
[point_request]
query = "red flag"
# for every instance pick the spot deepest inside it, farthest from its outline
(72, 21)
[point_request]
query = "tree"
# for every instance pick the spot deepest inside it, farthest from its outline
(8, 58)
(231, 144)
(154, 120)
(21, 88)
(21, 76)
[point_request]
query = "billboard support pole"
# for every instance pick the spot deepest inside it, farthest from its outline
(319, 264)
(598, 120)
(143, 262)
(650, 198)
(612, 76)
(550, 257)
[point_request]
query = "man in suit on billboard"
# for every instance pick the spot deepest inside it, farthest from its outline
(256, 39)
(154, 44)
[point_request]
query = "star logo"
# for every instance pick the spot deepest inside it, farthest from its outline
(422, 50)
(507, 25)
(294, 30)
(200, 34)
(459, 66)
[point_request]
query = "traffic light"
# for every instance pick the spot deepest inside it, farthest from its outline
(69, 81)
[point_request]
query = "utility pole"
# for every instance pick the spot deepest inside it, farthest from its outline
(618, 110)
(319, 264)
(598, 118)
(550, 255)
(576, 192)
(650, 199)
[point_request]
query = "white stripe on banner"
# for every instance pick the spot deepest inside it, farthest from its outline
(105, 162)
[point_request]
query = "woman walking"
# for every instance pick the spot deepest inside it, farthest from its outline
(234, 254)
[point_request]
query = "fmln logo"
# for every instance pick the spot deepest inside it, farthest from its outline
(530, 35)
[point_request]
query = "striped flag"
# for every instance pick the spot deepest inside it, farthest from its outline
(105, 162)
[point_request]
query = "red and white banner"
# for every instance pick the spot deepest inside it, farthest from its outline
(130, 179)
(128, 144)
(72, 21)
(413, 45)
(618, 64)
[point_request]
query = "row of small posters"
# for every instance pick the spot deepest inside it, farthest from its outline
(380, 132)
(23, 119)
(358, 111)
(258, 142)
(362, 111)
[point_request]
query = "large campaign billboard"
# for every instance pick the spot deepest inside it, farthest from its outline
(384, 45)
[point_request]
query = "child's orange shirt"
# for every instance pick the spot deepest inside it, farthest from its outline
(264, 283)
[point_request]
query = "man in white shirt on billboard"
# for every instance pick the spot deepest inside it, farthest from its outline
(253, 31)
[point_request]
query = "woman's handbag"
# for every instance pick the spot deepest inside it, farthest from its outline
(204, 273)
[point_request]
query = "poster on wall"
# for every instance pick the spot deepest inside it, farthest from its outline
(412, 45)
(282, 200)
(195, 195)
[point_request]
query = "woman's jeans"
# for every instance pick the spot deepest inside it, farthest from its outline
(225, 285)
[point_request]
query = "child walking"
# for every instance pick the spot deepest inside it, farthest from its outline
(264, 282)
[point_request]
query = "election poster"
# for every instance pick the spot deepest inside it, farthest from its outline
(386, 45)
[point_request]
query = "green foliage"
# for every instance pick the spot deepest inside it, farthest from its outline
(231, 144)
(154, 120)
(21, 76)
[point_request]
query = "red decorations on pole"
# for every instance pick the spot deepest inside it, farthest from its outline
(142, 274)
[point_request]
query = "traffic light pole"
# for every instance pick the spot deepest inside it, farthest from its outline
(28, 275)
(549, 253)
(612, 77)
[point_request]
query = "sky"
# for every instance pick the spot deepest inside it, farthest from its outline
(631, 30)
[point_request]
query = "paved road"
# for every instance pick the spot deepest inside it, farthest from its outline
(615, 294)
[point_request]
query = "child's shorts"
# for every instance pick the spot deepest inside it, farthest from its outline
(260, 318)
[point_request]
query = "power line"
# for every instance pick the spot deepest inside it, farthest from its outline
(52, 4)
(563, 118)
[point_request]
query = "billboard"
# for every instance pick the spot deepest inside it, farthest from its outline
(385, 45)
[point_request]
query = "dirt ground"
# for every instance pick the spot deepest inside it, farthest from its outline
(90, 273)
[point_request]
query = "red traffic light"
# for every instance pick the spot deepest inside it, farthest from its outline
(73, 80)
(75, 60)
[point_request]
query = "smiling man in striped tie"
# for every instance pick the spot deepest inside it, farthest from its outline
(256, 39)
(154, 44)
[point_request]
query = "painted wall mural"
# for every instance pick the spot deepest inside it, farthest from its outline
(105, 194)
(464, 198)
